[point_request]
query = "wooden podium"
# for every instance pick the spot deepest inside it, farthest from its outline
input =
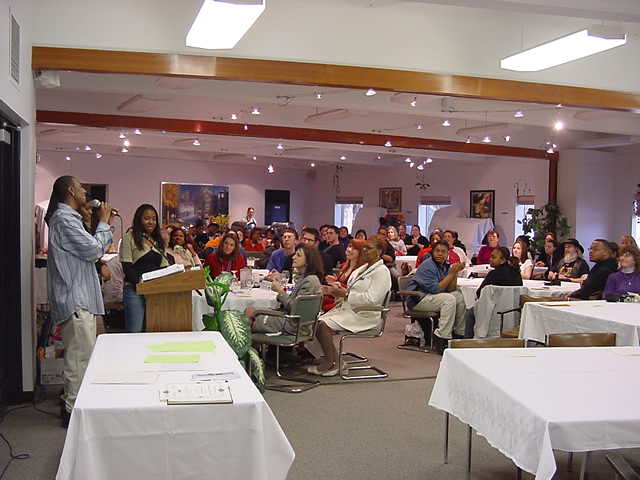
(168, 301)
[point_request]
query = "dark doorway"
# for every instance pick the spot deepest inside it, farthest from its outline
(10, 326)
(276, 206)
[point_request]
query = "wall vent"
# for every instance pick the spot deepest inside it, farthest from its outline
(15, 50)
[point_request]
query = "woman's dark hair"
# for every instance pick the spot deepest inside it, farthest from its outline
(187, 237)
(524, 249)
(361, 231)
(315, 266)
(220, 252)
(59, 193)
(138, 229)
(380, 243)
(485, 240)
(513, 262)
(432, 242)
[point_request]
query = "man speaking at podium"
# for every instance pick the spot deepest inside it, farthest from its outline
(73, 286)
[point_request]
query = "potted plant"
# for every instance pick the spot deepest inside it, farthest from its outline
(232, 324)
(539, 221)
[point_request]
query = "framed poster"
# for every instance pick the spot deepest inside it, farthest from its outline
(391, 199)
(184, 203)
(482, 204)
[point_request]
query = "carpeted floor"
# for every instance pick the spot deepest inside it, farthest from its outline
(355, 430)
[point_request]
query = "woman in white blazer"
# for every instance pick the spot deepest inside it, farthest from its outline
(367, 286)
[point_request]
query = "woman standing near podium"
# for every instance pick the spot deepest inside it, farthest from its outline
(142, 251)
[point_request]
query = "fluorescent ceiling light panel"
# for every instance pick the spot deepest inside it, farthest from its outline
(566, 49)
(221, 24)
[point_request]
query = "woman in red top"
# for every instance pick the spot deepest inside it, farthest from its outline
(254, 242)
(355, 259)
(425, 253)
(484, 255)
(227, 258)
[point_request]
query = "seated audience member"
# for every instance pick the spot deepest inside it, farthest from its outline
(627, 278)
(382, 230)
(439, 281)
(627, 241)
(333, 252)
(416, 241)
(549, 258)
(402, 232)
(213, 233)
(493, 242)
(458, 243)
(520, 251)
(344, 236)
(399, 248)
(361, 235)
(323, 233)
(506, 272)
(603, 255)
(281, 259)
(254, 242)
(367, 286)
(426, 252)
(355, 259)
(181, 248)
(615, 248)
(227, 258)
(308, 266)
(572, 266)
(456, 254)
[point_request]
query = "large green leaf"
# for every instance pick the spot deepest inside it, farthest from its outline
(257, 368)
(226, 278)
(210, 323)
(236, 331)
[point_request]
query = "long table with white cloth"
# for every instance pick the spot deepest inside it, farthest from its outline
(529, 402)
(238, 300)
(589, 316)
(125, 431)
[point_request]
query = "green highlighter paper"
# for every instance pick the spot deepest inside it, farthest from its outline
(197, 346)
(190, 358)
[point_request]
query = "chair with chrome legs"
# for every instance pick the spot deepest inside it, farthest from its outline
(304, 311)
(344, 366)
(417, 315)
(477, 343)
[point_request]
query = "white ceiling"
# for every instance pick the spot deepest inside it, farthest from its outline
(292, 106)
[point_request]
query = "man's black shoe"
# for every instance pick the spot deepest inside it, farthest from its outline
(440, 344)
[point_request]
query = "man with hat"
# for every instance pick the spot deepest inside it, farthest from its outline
(572, 266)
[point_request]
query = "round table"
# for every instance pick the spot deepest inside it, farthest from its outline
(255, 297)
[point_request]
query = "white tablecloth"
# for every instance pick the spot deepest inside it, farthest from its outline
(496, 299)
(571, 399)
(256, 297)
(125, 432)
(623, 319)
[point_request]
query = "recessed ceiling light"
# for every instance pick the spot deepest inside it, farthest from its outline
(124, 149)
(234, 116)
(559, 105)
(411, 165)
(126, 143)
(246, 127)
(414, 102)
(221, 24)
(507, 138)
(255, 111)
(254, 157)
(319, 95)
(519, 114)
(77, 149)
(555, 146)
(270, 169)
(566, 49)
(379, 157)
(87, 148)
(67, 158)
(312, 165)
(420, 167)
(280, 146)
(487, 139)
(388, 143)
(550, 150)
(370, 93)
(407, 160)
(137, 131)
(196, 142)
(98, 155)
(429, 160)
(122, 135)
(419, 126)
(342, 157)
(559, 125)
(468, 140)
(446, 123)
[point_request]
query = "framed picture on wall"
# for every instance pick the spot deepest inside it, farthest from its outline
(482, 204)
(185, 203)
(391, 199)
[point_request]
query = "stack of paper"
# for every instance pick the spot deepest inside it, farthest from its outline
(163, 272)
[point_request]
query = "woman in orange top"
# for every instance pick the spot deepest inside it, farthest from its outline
(355, 259)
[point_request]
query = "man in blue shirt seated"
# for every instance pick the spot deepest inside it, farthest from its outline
(439, 282)
(281, 258)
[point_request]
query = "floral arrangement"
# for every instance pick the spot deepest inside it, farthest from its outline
(392, 219)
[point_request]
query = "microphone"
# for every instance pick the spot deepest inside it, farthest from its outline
(95, 203)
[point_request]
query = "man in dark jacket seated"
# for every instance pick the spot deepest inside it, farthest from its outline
(602, 253)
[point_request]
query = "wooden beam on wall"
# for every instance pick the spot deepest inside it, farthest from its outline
(326, 75)
(285, 133)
